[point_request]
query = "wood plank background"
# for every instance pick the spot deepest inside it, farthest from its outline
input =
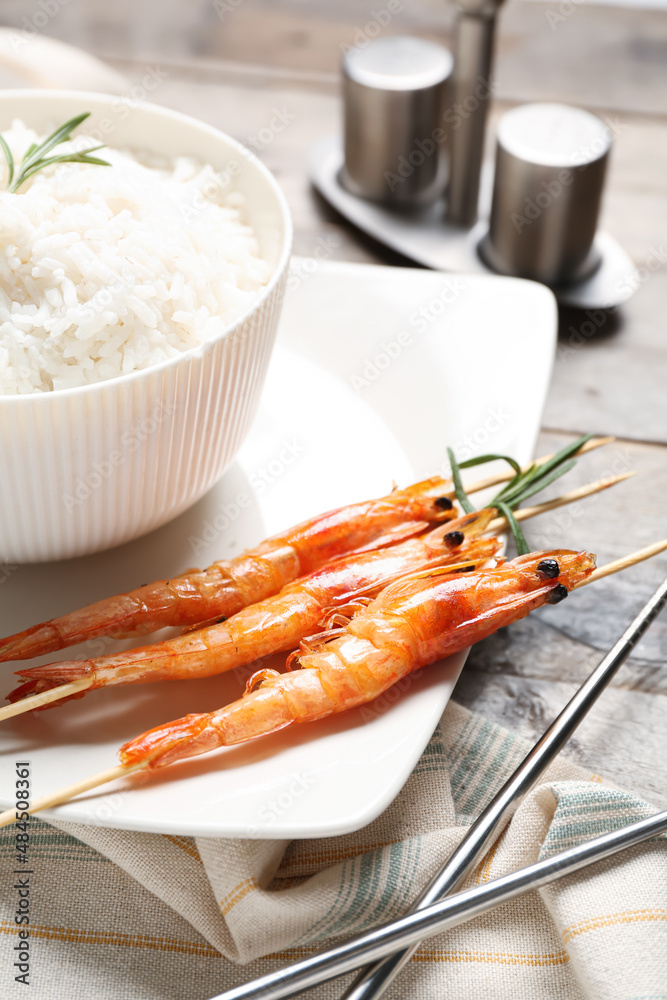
(233, 70)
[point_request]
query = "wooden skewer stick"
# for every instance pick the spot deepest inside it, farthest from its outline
(542, 508)
(45, 698)
(65, 794)
(70, 791)
(619, 564)
(504, 477)
(63, 690)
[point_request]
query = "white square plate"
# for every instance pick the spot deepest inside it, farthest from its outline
(376, 371)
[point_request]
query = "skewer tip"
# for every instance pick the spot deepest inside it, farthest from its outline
(8, 817)
(625, 562)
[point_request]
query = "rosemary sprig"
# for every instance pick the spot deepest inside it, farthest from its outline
(10, 159)
(529, 488)
(524, 484)
(36, 155)
(522, 546)
(461, 494)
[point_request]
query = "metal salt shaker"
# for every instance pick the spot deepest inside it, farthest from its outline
(395, 92)
(551, 161)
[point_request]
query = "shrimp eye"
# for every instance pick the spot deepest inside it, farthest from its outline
(558, 594)
(548, 568)
(453, 539)
(443, 503)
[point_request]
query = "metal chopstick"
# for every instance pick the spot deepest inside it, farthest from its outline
(410, 930)
(372, 982)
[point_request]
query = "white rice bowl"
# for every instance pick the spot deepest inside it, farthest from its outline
(109, 270)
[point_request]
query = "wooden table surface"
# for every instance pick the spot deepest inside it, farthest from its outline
(233, 70)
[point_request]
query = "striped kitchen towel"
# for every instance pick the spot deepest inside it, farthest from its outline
(125, 916)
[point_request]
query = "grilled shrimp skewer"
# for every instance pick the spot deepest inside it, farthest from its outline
(227, 586)
(273, 624)
(411, 624)
(277, 623)
(403, 636)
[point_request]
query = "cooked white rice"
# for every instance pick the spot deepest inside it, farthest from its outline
(107, 270)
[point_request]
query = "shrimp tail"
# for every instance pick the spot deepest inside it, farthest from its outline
(140, 612)
(57, 673)
(185, 737)
(37, 685)
(280, 701)
(30, 643)
(28, 688)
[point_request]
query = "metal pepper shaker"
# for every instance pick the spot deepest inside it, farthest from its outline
(395, 92)
(551, 161)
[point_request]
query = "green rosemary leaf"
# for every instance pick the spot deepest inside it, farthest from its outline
(61, 134)
(482, 459)
(461, 494)
(36, 156)
(561, 456)
(64, 158)
(515, 491)
(84, 158)
(10, 159)
(522, 546)
(87, 151)
(520, 480)
(521, 486)
(540, 484)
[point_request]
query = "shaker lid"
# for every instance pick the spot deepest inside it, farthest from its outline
(398, 63)
(553, 135)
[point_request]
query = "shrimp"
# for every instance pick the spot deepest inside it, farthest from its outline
(227, 586)
(279, 622)
(411, 624)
